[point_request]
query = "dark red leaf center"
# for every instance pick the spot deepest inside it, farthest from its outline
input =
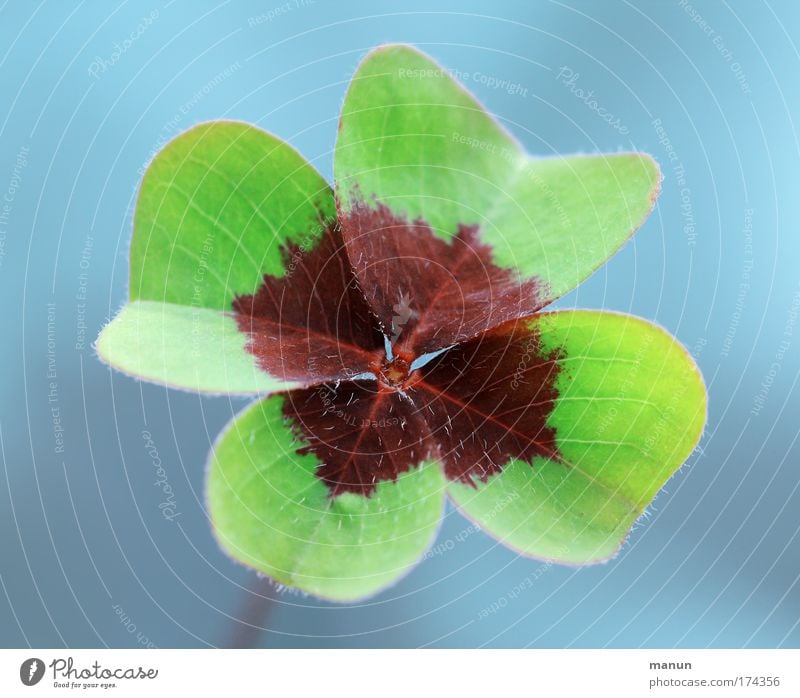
(366, 415)
(394, 373)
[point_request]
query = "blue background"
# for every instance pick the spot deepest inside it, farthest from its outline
(86, 558)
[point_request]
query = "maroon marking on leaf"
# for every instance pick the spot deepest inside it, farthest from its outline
(311, 325)
(362, 432)
(429, 293)
(487, 401)
(473, 408)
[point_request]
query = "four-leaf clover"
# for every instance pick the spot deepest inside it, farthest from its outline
(391, 328)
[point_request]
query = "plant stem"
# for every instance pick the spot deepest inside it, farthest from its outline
(253, 614)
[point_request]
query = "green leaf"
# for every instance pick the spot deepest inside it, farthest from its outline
(271, 512)
(217, 207)
(414, 140)
(191, 348)
(221, 208)
(631, 408)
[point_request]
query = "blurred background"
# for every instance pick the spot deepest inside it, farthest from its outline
(90, 90)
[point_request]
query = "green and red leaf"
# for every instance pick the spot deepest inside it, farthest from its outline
(234, 229)
(419, 162)
(399, 320)
(626, 407)
(554, 434)
(221, 206)
(272, 511)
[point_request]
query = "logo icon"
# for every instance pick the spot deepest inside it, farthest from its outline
(403, 313)
(31, 671)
